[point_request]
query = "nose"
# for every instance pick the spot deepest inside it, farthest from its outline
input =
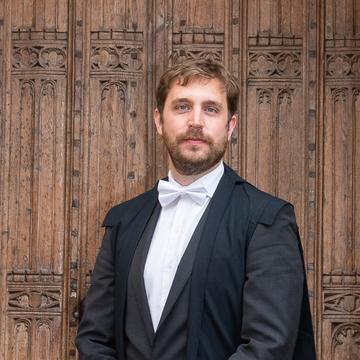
(195, 118)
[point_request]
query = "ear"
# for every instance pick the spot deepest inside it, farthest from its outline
(231, 125)
(157, 120)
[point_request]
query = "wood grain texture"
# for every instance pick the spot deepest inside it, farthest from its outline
(76, 100)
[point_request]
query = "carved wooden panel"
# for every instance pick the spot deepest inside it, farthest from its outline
(34, 315)
(35, 179)
(110, 138)
(341, 127)
(77, 83)
(341, 187)
(278, 140)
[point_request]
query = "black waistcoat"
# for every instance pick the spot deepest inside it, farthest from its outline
(169, 341)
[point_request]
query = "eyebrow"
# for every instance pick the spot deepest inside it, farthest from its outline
(213, 103)
(206, 103)
(180, 100)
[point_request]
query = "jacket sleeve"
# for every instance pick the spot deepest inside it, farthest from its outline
(95, 338)
(273, 291)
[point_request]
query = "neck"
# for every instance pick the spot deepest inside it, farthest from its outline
(185, 180)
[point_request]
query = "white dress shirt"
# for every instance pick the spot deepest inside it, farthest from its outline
(175, 226)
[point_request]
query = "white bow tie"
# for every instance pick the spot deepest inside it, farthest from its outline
(169, 192)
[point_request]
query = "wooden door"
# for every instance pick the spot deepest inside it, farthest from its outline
(77, 82)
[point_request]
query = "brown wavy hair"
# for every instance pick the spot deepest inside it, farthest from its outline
(190, 69)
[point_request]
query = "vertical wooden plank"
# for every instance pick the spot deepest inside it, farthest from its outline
(29, 14)
(342, 165)
(79, 24)
(356, 17)
(340, 278)
(62, 18)
(135, 145)
(265, 16)
(236, 54)
(162, 51)
(312, 87)
(108, 11)
(21, 173)
(50, 14)
(40, 15)
(264, 136)
(356, 177)
(328, 196)
(32, 274)
(97, 8)
(17, 14)
(296, 20)
(253, 14)
(5, 26)
(292, 153)
(286, 18)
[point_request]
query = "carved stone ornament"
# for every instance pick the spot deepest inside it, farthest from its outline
(179, 55)
(346, 342)
(347, 303)
(343, 65)
(39, 300)
(39, 57)
(275, 64)
(116, 58)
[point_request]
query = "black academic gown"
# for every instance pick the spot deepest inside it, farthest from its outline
(248, 297)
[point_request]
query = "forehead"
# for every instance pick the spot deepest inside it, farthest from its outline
(197, 88)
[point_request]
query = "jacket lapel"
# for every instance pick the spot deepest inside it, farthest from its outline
(137, 278)
(219, 204)
(127, 242)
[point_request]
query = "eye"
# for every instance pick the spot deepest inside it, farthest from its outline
(212, 109)
(182, 107)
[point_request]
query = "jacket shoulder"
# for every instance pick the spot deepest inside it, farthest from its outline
(125, 211)
(263, 207)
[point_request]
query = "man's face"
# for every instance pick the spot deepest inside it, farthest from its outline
(195, 125)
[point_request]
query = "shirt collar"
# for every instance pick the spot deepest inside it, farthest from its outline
(209, 181)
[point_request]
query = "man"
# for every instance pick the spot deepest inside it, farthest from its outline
(204, 265)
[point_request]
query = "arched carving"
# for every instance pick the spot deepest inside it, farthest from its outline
(286, 95)
(264, 96)
(339, 94)
(22, 338)
(356, 94)
(43, 338)
(48, 88)
(118, 85)
(346, 342)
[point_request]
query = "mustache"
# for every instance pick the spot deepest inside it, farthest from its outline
(194, 134)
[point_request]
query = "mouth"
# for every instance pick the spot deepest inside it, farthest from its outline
(195, 141)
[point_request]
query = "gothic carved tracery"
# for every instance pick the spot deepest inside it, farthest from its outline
(39, 57)
(275, 64)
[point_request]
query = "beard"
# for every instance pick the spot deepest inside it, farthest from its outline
(194, 160)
